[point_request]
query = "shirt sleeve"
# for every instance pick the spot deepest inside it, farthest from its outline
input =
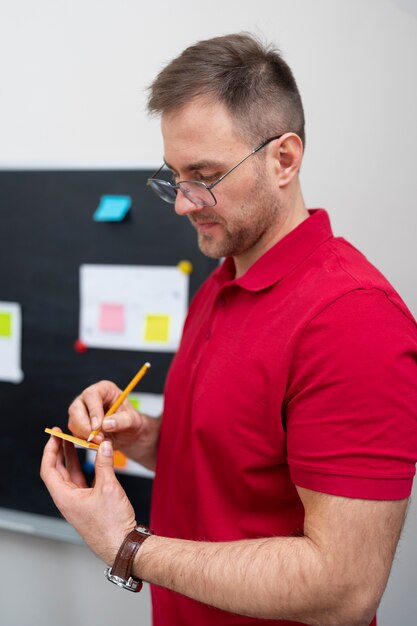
(351, 409)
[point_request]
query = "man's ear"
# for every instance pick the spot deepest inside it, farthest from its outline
(288, 154)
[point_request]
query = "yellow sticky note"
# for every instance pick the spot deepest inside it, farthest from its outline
(157, 328)
(76, 440)
(5, 325)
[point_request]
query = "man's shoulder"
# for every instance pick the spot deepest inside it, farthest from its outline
(353, 263)
(335, 271)
(352, 267)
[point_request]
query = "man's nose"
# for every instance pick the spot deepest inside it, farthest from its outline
(183, 205)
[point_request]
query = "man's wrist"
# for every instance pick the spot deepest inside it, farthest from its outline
(121, 572)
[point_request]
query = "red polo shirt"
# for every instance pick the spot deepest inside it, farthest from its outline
(301, 372)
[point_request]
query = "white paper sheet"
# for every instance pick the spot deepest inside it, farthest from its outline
(150, 404)
(132, 307)
(10, 342)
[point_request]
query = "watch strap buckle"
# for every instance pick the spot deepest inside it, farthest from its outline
(131, 584)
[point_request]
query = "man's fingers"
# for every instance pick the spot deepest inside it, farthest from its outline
(72, 464)
(81, 416)
(122, 421)
(56, 448)
(87, 411)
(104, 470)
(53, 471)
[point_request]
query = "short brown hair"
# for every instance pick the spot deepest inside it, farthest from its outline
(251, 79)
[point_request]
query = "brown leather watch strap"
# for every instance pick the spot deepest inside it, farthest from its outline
(123, 562)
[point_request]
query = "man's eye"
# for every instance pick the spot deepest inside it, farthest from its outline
(208, 178)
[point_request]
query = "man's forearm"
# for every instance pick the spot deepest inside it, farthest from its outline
(274, 578)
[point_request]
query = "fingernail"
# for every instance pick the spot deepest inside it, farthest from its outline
(95, 423)
(109, 424)
(107, 448)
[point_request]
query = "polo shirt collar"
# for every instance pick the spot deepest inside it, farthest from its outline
(283, 257)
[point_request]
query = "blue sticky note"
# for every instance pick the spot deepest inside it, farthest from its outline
(112, 208)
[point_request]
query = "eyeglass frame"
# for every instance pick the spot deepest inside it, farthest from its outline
(177, 187)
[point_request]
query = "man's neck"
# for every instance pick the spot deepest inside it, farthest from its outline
(288, 220)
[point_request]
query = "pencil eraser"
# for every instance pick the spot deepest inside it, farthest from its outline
(80, 347)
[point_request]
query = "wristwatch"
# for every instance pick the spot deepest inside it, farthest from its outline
(120, 572)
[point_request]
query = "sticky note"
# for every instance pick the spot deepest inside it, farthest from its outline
(119, 459)
(79, 442)
(157, 328)
(5, 324)
(11, 342)
(112, 208)
(134, 401)
(112, 318)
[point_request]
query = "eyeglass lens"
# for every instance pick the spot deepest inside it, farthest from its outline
(194, 191)
(163, 189)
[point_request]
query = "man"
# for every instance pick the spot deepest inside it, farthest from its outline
(287, 448)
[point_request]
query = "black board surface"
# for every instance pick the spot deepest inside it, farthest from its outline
(46, 232)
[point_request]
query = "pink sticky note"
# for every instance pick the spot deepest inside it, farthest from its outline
(112, 318)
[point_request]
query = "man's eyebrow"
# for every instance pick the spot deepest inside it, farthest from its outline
(198, 165)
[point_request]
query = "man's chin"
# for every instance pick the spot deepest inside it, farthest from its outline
(211, 248)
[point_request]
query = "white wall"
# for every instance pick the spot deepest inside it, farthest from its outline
(50, 583)
(72, 83)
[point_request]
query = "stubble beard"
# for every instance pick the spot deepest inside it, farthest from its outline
(243, 231)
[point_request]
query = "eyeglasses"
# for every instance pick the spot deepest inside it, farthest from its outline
(196, 191)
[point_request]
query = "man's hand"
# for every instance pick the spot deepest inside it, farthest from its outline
(102, 515)
(133, 433)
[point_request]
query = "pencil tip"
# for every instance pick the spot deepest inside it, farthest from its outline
(90, 437)
(147, 364)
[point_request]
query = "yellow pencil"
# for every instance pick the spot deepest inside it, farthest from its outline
(141, 373)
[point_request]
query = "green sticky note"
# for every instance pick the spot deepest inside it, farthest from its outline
(5, 324)
(134, 402)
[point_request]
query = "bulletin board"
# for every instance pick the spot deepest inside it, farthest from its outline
(47, 233)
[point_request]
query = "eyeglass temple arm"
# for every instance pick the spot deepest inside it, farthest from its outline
(266, 142)
(261, 145)
(209, 187)
(157, 171)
